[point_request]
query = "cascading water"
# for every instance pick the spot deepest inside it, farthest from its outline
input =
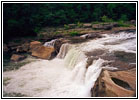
(73, 57)
(67, 75)
(51, 43)
(63, 50)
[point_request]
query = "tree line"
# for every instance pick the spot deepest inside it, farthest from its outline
(26, 19)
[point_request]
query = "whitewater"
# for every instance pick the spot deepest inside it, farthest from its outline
(67, 75)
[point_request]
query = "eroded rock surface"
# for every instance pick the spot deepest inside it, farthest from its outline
(115, 84)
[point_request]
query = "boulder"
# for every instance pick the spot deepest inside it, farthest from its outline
(34, 45)
(56, 44)
(43, 52)
(16, 57)
(23, 48)
(87, 25)
(115, 84)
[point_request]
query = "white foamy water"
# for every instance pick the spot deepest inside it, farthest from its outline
(113, 42)
(67, 77)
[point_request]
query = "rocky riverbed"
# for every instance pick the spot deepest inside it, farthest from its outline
(96, 63)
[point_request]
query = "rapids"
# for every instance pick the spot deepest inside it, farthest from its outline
(67, 75)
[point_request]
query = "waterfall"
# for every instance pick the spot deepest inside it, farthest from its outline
(63, 50)
(78, 73)
(50, 43)
(73, 57)
(91, 76)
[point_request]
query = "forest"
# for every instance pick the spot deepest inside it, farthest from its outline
(26, 19)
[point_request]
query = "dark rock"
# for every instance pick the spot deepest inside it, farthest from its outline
(121, 65)
(5, 48)
(23, 48)
(90, 61)
(13, 44)
(57, 45)
(125, 56)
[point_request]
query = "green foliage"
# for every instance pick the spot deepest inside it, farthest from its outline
(66, 26)
(121, 23)
(26, 19)
(57, 32)
(73, 33)
(106, 19)
(79, 24)
(37, 29)
(124, 17)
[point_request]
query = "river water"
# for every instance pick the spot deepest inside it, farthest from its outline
(67, 75)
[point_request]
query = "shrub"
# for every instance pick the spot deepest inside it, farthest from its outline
(66, 26)
(73, 33)
(121, 23)
(106, 19)
(124, 17)
(57, 32)
(79, 24)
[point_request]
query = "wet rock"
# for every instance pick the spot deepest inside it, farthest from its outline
(57, 45)
(43, 52)
(16, 57)
(87, 25)
(122, 65)
(108, 57)
(96, 52)
(125, 56)
(23, 48)
(34, 45)
(50, 43)
(90, 35)
(115, 84)
(90, 61)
